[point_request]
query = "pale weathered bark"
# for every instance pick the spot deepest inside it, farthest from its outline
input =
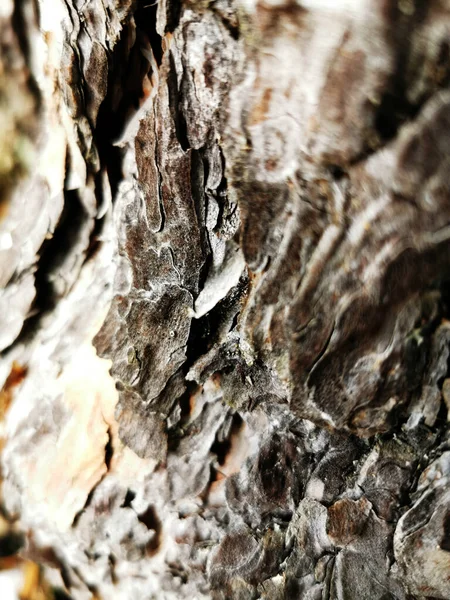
(245, 205)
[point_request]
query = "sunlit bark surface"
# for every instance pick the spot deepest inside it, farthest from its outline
(224, 267)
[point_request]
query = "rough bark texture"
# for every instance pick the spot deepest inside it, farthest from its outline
(253, 197)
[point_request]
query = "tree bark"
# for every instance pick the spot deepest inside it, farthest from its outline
(224, 260)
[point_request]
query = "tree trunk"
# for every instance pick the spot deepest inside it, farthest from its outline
(224, 255)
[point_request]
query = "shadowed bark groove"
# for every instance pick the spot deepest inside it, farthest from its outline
(244, 206)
